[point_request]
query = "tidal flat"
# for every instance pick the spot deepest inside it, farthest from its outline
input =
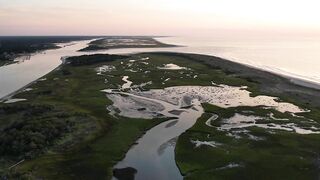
(82, 119)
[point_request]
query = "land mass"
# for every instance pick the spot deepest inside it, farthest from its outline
(125, 42)
(63, 129)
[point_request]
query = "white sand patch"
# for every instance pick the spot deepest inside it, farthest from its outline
(127, 83)
(211, 119)
(229, 166)
(271, 115)
(255, 138)
(241, 121)
(198, 143)
(9, 101)
(141, 85)
(131, 70)
(134, 107)
(27, 89)
(104, 69)
(171, 67)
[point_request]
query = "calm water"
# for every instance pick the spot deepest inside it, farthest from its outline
(16, 76)
(296, 57)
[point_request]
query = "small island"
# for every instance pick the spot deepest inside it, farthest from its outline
(115, 42)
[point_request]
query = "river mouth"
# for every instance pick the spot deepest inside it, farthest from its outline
(153, 155)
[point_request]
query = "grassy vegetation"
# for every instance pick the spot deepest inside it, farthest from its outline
(95, 140)
(92, 59)
(29, 129)
(275, 155)
(71, 94)
(260, 82)
(86, 141)
(139, 72)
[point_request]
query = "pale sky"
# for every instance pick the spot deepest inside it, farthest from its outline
(155, 17)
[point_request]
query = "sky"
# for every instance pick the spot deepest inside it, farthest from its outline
(156, 17)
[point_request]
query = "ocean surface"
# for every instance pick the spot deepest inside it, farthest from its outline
(297, 57)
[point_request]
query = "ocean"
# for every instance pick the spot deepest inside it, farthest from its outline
(297, 57)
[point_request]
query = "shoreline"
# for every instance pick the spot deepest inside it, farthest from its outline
(269, 83)
(10, 95)
(4, 97)
(293, 80)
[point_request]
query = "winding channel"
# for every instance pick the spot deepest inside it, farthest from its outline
(153, 155)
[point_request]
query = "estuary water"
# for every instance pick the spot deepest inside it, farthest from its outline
(17, 75)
